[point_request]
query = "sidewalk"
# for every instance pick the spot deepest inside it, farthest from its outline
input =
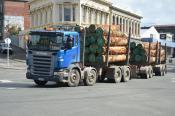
(13, 64)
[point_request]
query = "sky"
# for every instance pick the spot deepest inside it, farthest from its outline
(154, 12)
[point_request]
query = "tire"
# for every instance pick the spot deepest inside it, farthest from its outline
(145, 76)
(150, 73)
(40, 83)
(126, 75)
(163, 72)
(102, 77)
(165, 69)
(117, 75)
(90, 80)
(73, 78)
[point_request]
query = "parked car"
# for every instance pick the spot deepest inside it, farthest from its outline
(4, 48)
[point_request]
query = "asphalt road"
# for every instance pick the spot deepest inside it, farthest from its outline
(138, 97)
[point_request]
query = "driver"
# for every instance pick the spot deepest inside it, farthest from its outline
(69, 42)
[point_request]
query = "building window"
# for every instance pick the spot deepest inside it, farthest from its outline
(120, 24)
(101, 18)
(89, 16)
(73, 13)
(117, 20)
(50, 18)
(60, 12)
(113, 21)
(96, 17)
(67, 13)
(83, 13)
(106, 19)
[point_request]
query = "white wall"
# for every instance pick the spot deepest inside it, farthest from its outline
(146, 33)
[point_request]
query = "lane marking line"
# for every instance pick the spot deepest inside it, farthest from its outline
(11, 88)
(5, 81)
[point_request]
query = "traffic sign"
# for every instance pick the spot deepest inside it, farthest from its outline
(8, 41)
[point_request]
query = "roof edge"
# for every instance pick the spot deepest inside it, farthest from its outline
(127, 12)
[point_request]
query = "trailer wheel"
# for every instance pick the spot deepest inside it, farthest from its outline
(91, 78)
(102, 77)
(73, 78)
(163, 72)
(40, 83)
(165, 69)
(117, 75)
(126, 75)
(145, 75)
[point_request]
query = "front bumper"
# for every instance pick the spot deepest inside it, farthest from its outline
(54, 78)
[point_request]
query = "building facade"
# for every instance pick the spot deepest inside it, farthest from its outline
(166, 29)
(16, 12)
(82, 12)
(1, 19)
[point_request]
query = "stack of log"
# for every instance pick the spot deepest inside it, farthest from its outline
(140, 53)
(137, 53)
(96, 44)
(154, 51)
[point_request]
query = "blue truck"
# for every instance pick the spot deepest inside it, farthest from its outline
(54, 55)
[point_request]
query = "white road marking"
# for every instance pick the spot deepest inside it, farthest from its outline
(5, 81)
(11, 88)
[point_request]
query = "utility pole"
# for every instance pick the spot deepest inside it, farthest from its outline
(1, 19)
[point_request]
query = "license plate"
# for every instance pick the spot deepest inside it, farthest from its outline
(41, 79)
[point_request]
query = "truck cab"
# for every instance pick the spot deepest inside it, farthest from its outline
(55, 56)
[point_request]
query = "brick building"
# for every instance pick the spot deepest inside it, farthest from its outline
(17, 13)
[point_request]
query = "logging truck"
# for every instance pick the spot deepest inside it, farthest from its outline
(58, 54)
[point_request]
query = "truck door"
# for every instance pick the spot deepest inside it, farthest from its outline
(71, 54)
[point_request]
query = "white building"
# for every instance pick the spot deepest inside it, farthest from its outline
(150, 33)
(82, 12)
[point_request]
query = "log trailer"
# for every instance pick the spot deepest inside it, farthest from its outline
(123, 72)
(148, 70)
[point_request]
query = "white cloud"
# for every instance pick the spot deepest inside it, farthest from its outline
(152, 11)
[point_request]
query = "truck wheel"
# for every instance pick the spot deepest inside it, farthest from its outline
(126, 75)
(91, 79)
(74, 78)
(150, 73)
(117, 75)
(40, 83)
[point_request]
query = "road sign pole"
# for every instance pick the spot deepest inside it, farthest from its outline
(8, 41)
(8, 54)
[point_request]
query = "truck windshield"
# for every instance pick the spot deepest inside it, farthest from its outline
(45, 42)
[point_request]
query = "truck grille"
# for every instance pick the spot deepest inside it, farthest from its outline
(42, 65)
